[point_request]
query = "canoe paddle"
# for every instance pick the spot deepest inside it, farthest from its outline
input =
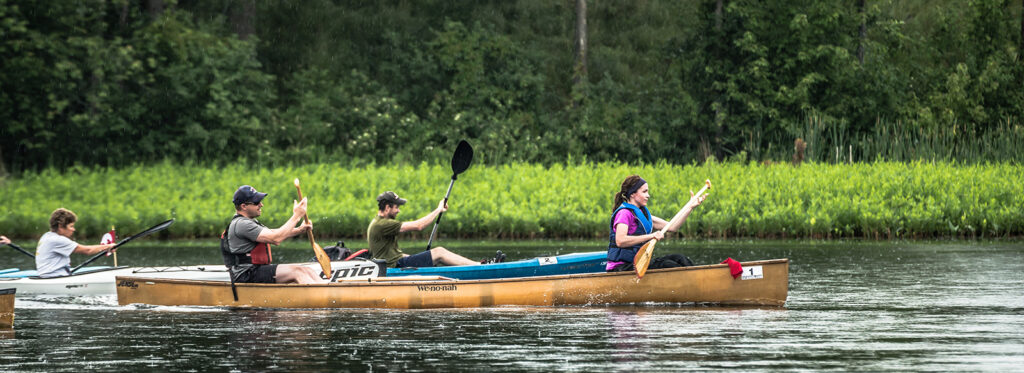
(643, 256)
(154, 229)
(321, 256)
(460, 162)
(23, 251)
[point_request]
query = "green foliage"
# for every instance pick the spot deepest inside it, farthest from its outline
(523, 200)
(327, 117)
(79, 89)
(490, 93)
(116, 83)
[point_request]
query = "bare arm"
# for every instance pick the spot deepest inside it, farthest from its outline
(660, 223)
(623, 239)
(92, 249)
(419, 224)
(276, 236)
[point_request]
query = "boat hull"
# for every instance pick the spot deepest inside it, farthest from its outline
(702, 284)
(7, 308)
(15, 273)
(101, 281)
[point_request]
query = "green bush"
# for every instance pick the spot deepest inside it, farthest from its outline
(522, 200)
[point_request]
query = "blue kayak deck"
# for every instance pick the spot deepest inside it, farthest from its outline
(542, 266)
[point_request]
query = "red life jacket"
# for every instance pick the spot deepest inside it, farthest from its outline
(261, 254)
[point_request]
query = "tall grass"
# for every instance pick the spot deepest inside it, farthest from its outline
(875, 200)
(832, 141)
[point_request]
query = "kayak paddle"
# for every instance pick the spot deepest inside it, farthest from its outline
(460, 162)
(643, 256)
(154, 229)
(23, 251)
(321, 256)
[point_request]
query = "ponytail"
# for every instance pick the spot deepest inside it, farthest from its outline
(628, 187)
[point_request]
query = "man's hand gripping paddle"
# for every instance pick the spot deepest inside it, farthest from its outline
(321, 256)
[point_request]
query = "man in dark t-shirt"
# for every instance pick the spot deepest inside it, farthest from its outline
(382, 235)
(246, 236)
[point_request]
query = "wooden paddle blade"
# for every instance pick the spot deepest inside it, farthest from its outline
(643, 258)
(323, 259)
(462, 158)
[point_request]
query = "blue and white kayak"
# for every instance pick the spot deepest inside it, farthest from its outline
(543, 266)
(101, 281)
(15, 273)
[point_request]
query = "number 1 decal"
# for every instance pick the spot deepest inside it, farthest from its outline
(752, 273)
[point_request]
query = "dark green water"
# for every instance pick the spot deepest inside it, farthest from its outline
(937, 306)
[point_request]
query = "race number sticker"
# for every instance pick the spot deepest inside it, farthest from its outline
(752, 273)
(547, 260)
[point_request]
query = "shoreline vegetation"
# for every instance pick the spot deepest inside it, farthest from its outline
(879, 200)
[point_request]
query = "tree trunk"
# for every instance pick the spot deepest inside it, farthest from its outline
(1021, 49)
(3, 167)
(863, 30)
(718, 15)
(579, 73)
(124, 14)
(155, 8)
(243, 18)
(719, 120)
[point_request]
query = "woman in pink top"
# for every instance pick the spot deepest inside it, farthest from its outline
(632, 225)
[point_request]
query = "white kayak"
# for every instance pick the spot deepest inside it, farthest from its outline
(101, 280)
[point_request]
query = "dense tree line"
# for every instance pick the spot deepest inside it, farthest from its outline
(119, 82)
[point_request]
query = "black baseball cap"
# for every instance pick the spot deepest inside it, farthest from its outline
(248, 194)
(390, 198)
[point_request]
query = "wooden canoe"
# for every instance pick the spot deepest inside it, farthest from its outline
(764, 283)
(6, 308)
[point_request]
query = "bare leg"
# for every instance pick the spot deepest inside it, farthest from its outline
(288, 273)
(441, 255)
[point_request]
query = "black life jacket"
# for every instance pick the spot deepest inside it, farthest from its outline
(260, 254)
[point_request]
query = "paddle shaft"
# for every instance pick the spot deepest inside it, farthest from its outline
(438, 220)
(305, 217)
(154, 229)
(23, 251)
(321, 256)
(102, 253)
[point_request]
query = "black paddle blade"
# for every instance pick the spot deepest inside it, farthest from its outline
(462, 158)
(154, 229)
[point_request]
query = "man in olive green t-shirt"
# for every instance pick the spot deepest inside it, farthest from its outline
(382, 235)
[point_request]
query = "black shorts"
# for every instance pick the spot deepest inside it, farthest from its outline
(261, 274)
(423, 259)
(667, 261)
